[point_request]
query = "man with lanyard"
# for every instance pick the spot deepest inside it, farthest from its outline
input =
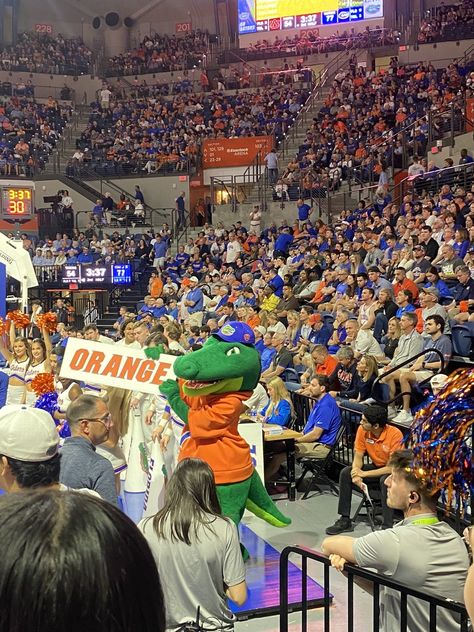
(420, 552)
(378, 440)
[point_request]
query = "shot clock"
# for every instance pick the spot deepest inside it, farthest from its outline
(17, 200)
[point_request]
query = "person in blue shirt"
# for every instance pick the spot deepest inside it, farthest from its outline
(433, 280)
(182, 257)
(279, 409)
(267, 352)
(72, 258)
(404, 301)
(3, 388)
(85, 256)
(159, 308)
(275, 282)
(160, 250)
(323, 423)
(194, 300)
(259, 332)
(282, 243)
(304, 211)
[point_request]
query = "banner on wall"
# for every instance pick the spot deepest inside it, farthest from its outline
(234, 152)
(470, 115)
(113, 365)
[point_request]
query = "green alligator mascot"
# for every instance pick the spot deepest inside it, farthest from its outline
(212, 384)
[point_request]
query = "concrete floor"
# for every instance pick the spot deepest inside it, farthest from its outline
(310, 519)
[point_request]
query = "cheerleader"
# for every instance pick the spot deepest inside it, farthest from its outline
(67, 391)
(40, 363)
(18, 357)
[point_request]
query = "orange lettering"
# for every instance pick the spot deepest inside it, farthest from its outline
(79, 359)
(145, 371)
(129, 368)
(113, 366)
(161, 373)
(93, 366)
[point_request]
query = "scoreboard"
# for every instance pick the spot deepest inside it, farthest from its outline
(17, 199)
(257, 16)
(96, 275)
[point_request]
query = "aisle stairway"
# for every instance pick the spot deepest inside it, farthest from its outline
(126, 297)
(66, 150)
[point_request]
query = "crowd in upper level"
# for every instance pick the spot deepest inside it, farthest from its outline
(447, 22)
(370, 120)
(29, 132)
(161, 53)
(40, 52)
(155, 132)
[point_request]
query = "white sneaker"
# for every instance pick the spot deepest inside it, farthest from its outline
(391, 412)
(404, 417)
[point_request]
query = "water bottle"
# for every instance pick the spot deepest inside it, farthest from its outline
(253, 413)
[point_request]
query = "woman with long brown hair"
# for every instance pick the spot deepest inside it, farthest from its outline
(197, 549)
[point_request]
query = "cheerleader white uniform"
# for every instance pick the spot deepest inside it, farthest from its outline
(16, 393)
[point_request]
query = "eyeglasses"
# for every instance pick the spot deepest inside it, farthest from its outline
(105, 420)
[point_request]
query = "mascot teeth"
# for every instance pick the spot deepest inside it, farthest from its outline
(196, 384)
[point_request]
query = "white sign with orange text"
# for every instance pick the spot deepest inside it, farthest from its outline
(115, 365)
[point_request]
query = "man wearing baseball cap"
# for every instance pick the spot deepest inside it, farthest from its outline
(193, 300)
(29, 450)
(29, 444)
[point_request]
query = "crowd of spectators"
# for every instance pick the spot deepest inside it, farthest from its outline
(372, 120)
(447, 22)
(161, 53)
(310, 42)
(160, 133)
(29, 132)
(376, 263)
(40, 52)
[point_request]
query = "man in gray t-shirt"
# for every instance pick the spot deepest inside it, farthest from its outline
(425, 366)
(420, 552)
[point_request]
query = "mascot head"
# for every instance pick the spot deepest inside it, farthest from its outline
(227, 362)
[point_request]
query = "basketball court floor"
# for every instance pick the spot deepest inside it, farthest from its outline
(310, 519)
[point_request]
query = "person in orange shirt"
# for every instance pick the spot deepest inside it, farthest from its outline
(404, 283)
(379, 441)
(325, 364)
(155, 285)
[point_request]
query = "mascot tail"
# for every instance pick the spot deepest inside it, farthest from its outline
(260, 503)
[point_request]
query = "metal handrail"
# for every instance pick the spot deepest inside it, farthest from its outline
(379, 378)
(442, 176)
(352, 571)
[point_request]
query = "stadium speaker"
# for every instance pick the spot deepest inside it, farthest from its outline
(112, 19)
(128, 22)
(96, 23)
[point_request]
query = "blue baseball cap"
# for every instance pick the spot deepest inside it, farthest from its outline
(235, 331)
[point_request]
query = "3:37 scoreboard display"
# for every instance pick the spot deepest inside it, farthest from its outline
(96, 275)
(258, 16)
(17, 200)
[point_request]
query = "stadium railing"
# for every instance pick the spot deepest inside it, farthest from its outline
(354, 574)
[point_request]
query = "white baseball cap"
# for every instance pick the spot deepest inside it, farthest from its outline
(27, 434)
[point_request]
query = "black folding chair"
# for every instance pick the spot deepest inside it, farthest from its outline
(319, 469)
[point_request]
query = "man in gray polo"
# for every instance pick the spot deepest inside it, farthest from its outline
(420, 552)
(81, 466)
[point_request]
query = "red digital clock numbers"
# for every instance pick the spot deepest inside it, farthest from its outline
(19, 201)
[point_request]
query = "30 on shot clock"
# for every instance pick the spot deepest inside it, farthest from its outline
(17, 200)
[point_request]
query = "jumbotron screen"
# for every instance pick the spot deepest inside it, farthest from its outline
(259, 16)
